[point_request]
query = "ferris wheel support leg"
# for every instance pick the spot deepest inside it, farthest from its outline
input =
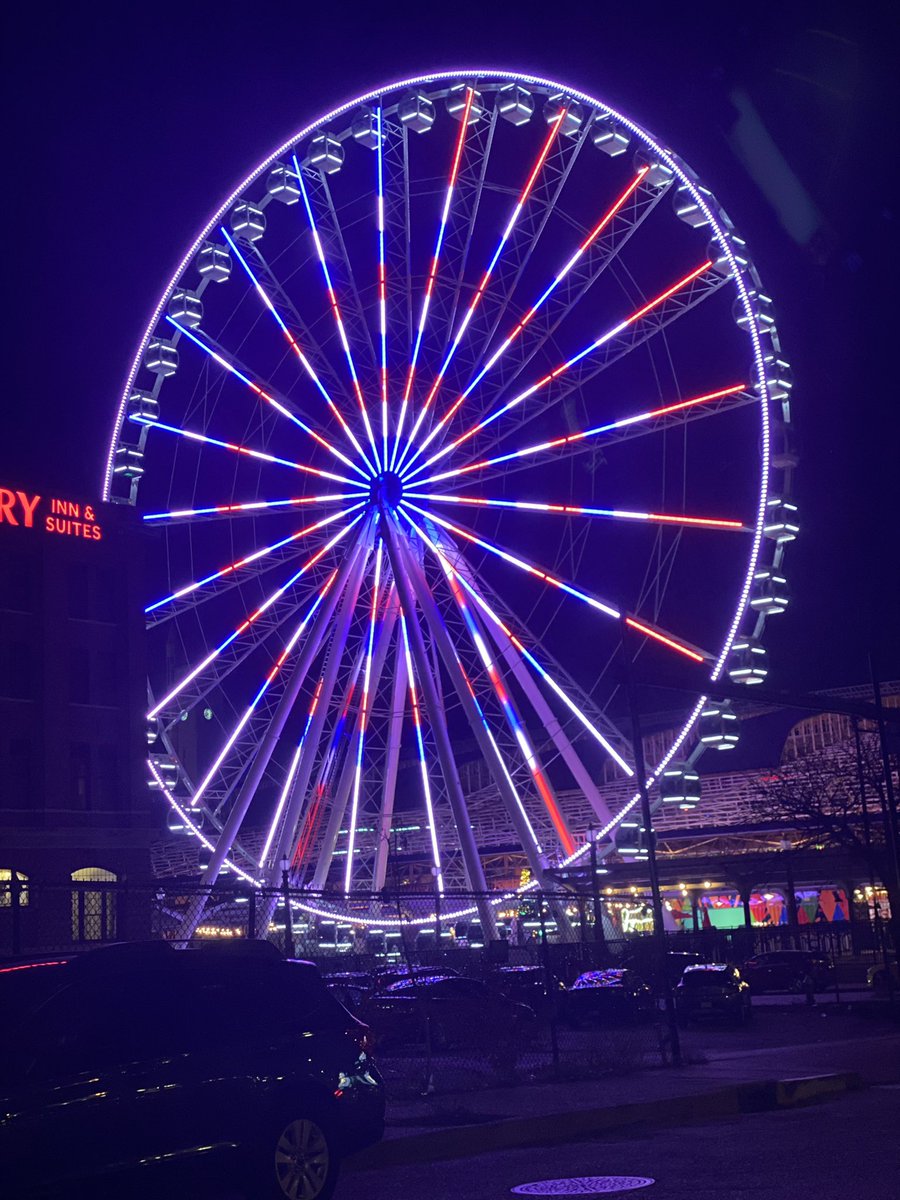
(395, 728)
(264, 754)
(334, 655)
(323, 776)
(348, 770)
(413, 575)
(468, 846)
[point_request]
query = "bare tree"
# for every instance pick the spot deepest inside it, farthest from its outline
(821, 797)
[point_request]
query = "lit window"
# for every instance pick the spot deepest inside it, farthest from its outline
(6, 888)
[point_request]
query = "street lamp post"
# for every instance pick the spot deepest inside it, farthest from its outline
(641, 777)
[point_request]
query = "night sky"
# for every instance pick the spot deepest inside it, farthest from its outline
(127, 125)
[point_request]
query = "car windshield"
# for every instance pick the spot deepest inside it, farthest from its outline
(706, 976)
(600, 979)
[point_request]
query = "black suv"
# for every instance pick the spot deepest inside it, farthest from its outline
(122, 1066)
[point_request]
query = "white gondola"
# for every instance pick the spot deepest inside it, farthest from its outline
(416, 112)
(679, 784)
(574, 113)
(161, 357)
(515, 104)
(721, 263)
(214, 263)
(609, 136)
(248, 221)
(128, 462)
(779, 377)
(186, 307)
(719, 727)
(781, 524)
(326, 154)
(282, 184)
(770, 594)
(456, 104)
(783, 446)
(365, 128)
(748, 662)
(687, 207)
(762, 310)
(142, 406)
(659, 175)
(631, 840)
(152, 730)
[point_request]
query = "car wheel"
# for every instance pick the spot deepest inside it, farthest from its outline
(300, 1162)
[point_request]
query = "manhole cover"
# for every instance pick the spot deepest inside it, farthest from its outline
(583, 1185)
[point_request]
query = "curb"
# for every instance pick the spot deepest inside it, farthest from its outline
(555, 1128)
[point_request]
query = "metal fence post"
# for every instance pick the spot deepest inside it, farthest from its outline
(548, 983)
(288, 919)
(251, 913)
(15, 893)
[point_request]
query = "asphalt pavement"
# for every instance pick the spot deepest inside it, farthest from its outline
(845, 1148)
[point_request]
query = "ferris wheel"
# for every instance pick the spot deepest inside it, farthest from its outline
(466, 379)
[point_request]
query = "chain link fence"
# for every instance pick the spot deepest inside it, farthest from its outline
(448, 1010)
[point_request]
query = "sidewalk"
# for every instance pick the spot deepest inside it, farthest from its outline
(472, 1123)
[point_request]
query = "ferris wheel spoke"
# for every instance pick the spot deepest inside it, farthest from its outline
(474, 868)
(289, 778)
(265, 394)
(728, 398)
(246, 560)
(229, 744)
(405, 665)
(574, 510)
(650, 630)
(302, 357)
(235, 448)
(382, 285)
(485, 279)
(310, 822)
(582, 273)
(251, 619)
(433, 269)
(249, 508)
(370, 667)
(466, 577)
(514, 721)
(604, 339)
(260, 760)
(365, 702)
(334, 657)
(471, 707)
(333, 303)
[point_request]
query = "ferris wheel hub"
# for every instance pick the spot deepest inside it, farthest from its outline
(387, 490)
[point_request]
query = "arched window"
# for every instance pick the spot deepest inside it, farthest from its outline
(6, 887)
(94, 908)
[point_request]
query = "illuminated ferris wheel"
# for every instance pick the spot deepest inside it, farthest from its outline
(465, 377)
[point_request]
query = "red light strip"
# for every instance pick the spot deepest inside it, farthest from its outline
(569, 438)
(536, 307)
(564, 367)
(578, 511)
(435, 260)
(485, 279)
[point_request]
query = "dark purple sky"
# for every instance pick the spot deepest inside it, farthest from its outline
(128, 124)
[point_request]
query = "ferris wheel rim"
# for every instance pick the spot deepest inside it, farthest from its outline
(684, 175)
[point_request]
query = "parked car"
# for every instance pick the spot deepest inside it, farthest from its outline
(616, 994)
(451, 1010)
(788, 971)
(351, 988)
(383, 977)
(125, 1064)
(528, 985)
(646, 963)
(713, 990)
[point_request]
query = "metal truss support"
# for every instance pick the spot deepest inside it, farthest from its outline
(401, 565)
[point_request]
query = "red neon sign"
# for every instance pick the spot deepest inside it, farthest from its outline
(69, 518)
